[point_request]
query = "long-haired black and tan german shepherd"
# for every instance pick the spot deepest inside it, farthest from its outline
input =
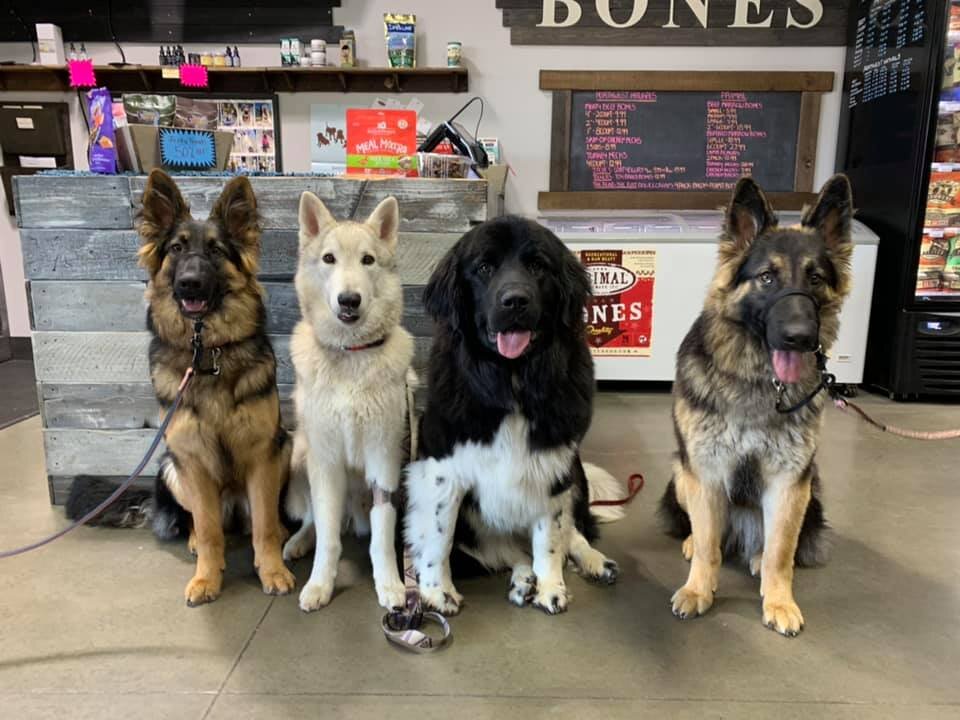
(225, 445)
(745, 480)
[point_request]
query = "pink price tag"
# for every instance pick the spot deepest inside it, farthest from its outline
(193, 76)
(81, 73)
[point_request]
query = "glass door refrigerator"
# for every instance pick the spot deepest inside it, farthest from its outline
(900, 146)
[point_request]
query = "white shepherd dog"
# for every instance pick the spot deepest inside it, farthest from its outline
(352, 360)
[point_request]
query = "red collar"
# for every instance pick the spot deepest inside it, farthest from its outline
(368, 346)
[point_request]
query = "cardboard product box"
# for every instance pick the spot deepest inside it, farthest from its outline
(50, 45)
(146, 141)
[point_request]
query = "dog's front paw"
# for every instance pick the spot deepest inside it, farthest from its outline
(551, 597)
(391, 596)
(298, 546)
(783, 616)
(522, 589)
(688, 603)
(315, 595)
(446, 601)
(687, 548)
(277, 580)
(201, 590)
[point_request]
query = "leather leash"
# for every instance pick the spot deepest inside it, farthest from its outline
(828, 382)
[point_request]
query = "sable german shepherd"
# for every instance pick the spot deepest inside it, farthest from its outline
(745, 481)
(226, 449)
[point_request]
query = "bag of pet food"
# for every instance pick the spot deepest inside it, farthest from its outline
(401, 34)
(103, 146)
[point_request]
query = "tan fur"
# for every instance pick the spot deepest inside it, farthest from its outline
(225, 438)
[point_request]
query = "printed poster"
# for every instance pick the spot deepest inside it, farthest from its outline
(619, 315)
(328, 138)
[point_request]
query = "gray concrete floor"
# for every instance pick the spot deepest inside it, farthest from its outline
(95, 625)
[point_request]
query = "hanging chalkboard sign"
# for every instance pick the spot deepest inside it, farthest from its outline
(680, 140)
(683, 141)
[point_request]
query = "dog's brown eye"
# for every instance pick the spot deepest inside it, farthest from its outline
(216, 251)
(484, 268)
(368, 259)
(816, 279)
(329, 259)
(535, 266)
(176, 247)
(765, 277)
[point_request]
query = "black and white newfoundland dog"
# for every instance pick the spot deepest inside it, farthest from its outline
(510, 398)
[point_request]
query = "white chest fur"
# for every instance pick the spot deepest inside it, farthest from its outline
(510, 481)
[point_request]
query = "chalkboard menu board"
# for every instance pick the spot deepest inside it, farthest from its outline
(650, 141)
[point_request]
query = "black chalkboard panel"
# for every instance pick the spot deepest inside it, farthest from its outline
(683, 141)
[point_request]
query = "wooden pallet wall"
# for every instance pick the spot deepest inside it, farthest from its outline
(86, 294)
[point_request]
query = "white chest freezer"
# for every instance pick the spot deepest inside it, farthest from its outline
(682, 262)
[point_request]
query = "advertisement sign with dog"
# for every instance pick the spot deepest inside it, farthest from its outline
(619, 313)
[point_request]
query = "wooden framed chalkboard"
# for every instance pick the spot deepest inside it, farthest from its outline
(665, 140)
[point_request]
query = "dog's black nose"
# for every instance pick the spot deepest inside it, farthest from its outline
(349, 300)
(799, 336)
(189, 283)
(515, 299)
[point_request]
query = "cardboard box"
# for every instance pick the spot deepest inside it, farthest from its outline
(146, 141)
(50, 45)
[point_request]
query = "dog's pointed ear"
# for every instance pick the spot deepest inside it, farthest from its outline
(163, 207)
(385, 222)
(832, 214)
(236, 210)
(442, 297)
(748, 215)
(314, 217)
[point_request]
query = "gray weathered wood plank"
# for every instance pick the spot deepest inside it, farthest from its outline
(97, 452)
(121, 357)
(112, 254)
(117, 406)
(118, 306)
(82, 201)
(425, 205)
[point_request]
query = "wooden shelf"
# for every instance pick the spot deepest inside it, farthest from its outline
(148, 78)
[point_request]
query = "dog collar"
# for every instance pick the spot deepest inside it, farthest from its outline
(198, 350)
(367, 346)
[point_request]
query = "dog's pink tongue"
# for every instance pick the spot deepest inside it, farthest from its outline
(512, 344)
(193, 306)
(788, 366)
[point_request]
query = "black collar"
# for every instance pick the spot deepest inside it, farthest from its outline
(198, 349)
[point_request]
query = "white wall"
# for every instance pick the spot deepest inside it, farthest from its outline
(505, 76)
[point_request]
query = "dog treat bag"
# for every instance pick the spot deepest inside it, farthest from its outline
(103, 146)
(401, 34)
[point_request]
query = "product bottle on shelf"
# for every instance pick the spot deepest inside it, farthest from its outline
(73, 52)
(83, 52)
(236, 56)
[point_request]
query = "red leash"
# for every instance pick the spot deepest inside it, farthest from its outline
(634, 485)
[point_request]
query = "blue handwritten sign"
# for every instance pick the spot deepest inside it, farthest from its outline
(194, 149)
